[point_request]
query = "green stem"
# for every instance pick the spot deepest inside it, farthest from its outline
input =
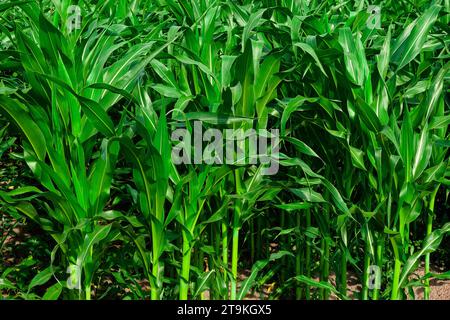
(155, 267)
(397, 270)
(379, 257)
(235, 236)
(88, 279)
(298, 259)
(224, 243)
(225, 250)
(365, 288)
(325, 257)
(234, 254)
(88, 291)
(252, 243)
(155, 290)
(343, 284)
(185, 268)
(308, 255)
(283, 260)
(326, 268)
(426, 295)
(258, 237)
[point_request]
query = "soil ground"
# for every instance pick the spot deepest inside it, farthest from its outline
(439, 289)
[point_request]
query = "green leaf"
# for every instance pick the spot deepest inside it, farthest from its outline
(308, 195)
(357, 158)
(430, 244)
(302, 147)
(98, 116)
(367, 115)
(100, 232)
(309, 50)
(407, 144)
(318, 284)
(93, 110)
(423, 153)
(227, 63)
(202, 282)
(427, 106)
(294, 206)
(268, 69)
(253, 21)
(439, 122)
(41, 278)
(53, 292)
(6, 6)
(6, 284)
(354, 56)
(384, 56)
(294, 104)
(19, 115)
(213, 118)
(410, 43)
(257, 267)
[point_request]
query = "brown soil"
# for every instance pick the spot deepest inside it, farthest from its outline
(439, 289)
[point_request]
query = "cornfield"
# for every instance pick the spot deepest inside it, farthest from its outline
(353, 96)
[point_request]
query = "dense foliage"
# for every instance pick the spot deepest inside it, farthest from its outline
(89, 97)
